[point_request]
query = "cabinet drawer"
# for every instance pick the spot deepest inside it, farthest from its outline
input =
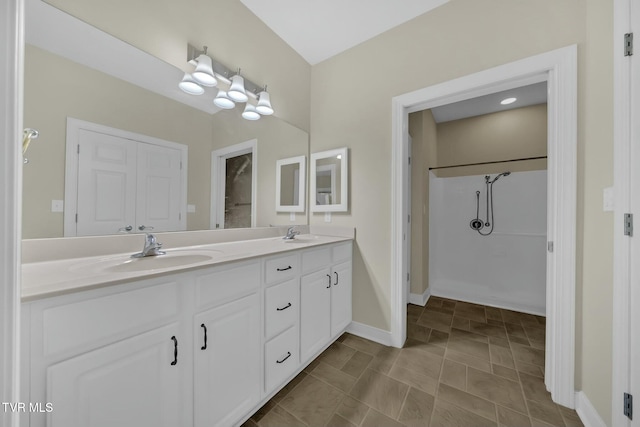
(282, 268)
(341, 252)
(315, 259)
(222, 284)
(281, 307)
(281, 358)
(89, 323)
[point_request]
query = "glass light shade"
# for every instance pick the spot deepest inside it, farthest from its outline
(190, 86)
(508, 101)
(264, 104)
(236, 90)
(223, 101)
(250, 112)
(204, 72)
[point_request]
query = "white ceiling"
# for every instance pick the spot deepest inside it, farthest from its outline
(525, 95)
(318, 30)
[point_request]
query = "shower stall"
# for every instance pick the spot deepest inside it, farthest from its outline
(487, 239)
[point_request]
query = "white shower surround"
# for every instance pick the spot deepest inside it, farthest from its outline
(506, 269)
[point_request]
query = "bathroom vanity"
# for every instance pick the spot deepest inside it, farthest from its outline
(203, 337)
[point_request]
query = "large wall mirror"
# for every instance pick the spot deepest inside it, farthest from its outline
(329, 181)
(73, 70)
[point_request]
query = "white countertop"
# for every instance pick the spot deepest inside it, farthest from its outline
(43, 279)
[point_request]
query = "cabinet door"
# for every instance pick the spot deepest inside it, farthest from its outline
(227, 371)
(128, 383)
(315, 306)
(340, 297)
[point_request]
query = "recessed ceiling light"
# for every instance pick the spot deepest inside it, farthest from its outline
(508, 101)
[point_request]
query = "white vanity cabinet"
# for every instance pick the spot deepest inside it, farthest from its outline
(227, 356)
(325, 297)
(203, 347)
(110, 357)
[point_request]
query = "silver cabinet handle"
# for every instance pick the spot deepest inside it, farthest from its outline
(329, 285)
(336, 273)
(145, 227)
(126, 229)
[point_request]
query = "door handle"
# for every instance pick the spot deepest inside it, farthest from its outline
(336, 273)
(126, 229)
(175, 351)
(204, 347)
(145, 227)
(329, 276)
(284, 269)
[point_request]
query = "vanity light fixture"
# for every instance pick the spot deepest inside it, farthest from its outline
(209, 73)
(236, 90)
(189, 85)
(508, 101)
(204, 71)
(250, 112)
(223, 101)
(264, 103)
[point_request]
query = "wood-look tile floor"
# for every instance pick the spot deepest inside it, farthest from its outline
(463, 365)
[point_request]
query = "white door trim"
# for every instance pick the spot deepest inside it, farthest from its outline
(622, 188)
(559, 69)
(11, 102)
(217, 179)
(74, 126)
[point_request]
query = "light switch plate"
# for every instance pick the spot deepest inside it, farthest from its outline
(191, 208)
(607, 199)
(327, 217)
(57, 206)
(292, 216)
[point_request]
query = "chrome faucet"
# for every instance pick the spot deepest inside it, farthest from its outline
(151, 247)
(291, 234)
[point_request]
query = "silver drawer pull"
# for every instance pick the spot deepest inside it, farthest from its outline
(284, 269)
(285, 307)
(285, 358)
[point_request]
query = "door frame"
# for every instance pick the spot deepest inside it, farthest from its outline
(11, 124)
(622, 153)
(559, 69)
(218, 158)
(74, 126)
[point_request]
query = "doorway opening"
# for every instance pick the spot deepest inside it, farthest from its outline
(233, 186)
(559, 69)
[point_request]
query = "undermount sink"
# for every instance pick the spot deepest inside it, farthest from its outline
(123, 264)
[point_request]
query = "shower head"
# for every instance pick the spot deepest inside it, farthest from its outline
(499, 175)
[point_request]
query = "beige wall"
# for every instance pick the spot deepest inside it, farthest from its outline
(422, 128)
(459, 38)
(55, 89)
(505, 135)
(276, 140)
(235, 37)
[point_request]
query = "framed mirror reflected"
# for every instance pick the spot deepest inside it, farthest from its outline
(290, 184)
(329, 181)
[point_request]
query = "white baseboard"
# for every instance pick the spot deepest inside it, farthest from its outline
(587, 413)
(418, 299)
(369, 332)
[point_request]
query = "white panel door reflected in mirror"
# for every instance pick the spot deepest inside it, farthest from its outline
(290, 184)
(329, 179)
